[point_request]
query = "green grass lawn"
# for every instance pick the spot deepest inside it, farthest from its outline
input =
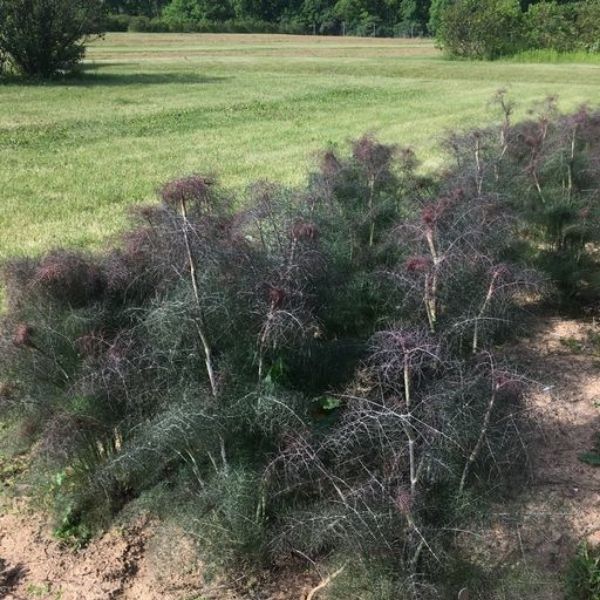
(150, 107)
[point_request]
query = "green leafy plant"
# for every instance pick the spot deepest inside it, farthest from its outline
(71, 532)
(550, 25)
(583, 574)
(572, 344)
(481, 30)
(43, 38)
(593, 456)
(489, 30)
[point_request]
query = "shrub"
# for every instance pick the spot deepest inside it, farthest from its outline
(4, 63)
(45, 37)
(587, 22)
(482, 30)
(554, 163)
(551, 25)
(140, 24)
(194, 10)
(583, 574)
(436, 10)
(117, 22)
(310, 372)
(489, 30)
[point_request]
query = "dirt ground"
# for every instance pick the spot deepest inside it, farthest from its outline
(541, 528)
(144, 561)
(539, 531)
(564, 502)
(118, 565)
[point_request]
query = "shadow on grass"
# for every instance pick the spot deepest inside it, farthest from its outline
(117, 79)
(93, 75)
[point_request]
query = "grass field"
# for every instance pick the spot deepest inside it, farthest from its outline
(75, 154)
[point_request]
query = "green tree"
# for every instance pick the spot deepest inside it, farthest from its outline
(415, 16)
(44, 37)
(261, 10)
(318, 15)
(550, 25)
(475, 29)
(147, 8)
(587, 22)
(436, 11)
(360, 17)
(199, 10)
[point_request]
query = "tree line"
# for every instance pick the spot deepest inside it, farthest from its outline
(362, 17)
(333, 17)
(42, 38)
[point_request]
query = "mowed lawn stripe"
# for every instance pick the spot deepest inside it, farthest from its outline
(76, 154)
(179, 121)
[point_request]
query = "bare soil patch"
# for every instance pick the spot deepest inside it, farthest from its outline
(562, 506)
(537, 533)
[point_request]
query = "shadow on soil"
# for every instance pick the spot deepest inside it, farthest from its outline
(10, 577)
(558, 508)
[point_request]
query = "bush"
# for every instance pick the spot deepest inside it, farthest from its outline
(4, 63)
(141, 24)
(117, 22)
(564, 27)
(482, 30)
(551, 25)
(553, 160)
(583, 574)
(43, 38)
(490, 30)
(194, 11)
(310, 372)
(436, 11)
(587, 22)
(144, 24)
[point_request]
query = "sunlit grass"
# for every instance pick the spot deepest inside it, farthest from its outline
(553, 56)
(76, 154)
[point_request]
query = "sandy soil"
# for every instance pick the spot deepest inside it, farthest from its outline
(562, 506)
(542, 527)
(118, 565)
(144, 561)
(538, 532)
